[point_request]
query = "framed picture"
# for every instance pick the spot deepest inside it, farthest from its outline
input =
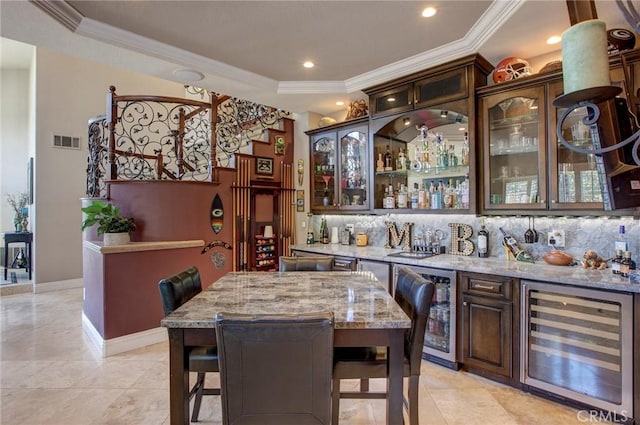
(279, 144)
(264, 166)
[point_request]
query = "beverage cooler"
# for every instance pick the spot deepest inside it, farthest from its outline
(578, 343)
(440, 336)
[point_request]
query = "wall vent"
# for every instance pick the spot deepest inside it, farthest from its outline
(66, 142)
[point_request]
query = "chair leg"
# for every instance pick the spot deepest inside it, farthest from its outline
(364, 385)
(199, 387)
(335, 402)
(413, 399)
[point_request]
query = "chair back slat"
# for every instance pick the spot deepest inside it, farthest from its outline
(322, 263)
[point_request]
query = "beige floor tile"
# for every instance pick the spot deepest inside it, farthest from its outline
(50, 374)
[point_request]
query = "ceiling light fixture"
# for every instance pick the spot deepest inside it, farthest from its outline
(340, 103)
(391, 99)
(428, 12)
(443, 114)
(554, 39)
(188, 75)
(308, 64)
(407, 121)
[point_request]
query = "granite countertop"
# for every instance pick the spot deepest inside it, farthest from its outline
(141, 246)
(539, 271)
(357, 299)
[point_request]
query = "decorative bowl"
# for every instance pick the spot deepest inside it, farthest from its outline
(557, 258)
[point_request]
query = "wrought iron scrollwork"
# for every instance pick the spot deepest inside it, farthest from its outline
(164, 138)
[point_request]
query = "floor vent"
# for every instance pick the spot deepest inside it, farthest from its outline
(66, 142)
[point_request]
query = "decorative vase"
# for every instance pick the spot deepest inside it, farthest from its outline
(17, 223)
(111, 239)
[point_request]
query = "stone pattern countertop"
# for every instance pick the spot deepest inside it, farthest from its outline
(357, 299)
(141, 246)
(539, 271)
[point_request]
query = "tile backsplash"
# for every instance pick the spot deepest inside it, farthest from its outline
(581, 233)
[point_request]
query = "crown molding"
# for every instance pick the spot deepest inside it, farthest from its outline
(122, 38)
(61, 11)
(496, 14)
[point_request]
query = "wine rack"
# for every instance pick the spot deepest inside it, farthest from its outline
(266, 254)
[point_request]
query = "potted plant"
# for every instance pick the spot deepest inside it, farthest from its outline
(115, 227)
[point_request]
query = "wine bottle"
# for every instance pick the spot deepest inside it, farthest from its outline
(324, 230)
(483, 242)
(621, 241)
(513, 249)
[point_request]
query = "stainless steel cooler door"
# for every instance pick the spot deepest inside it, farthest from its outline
(577, 343)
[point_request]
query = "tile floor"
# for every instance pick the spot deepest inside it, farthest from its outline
(50, 374)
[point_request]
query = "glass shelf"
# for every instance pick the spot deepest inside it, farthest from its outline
(510, 150)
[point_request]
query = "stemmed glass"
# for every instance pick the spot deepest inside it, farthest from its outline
(504, 105)
(326, 179)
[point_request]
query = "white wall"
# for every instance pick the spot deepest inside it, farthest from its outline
(70, 91)
(14, 138)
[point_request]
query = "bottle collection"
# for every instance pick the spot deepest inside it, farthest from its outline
(622, 263)
(438, 323)
(453, 194)
(433, 152)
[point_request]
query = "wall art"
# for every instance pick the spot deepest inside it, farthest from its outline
(217, 214)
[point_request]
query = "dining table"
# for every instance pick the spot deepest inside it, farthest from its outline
(365, 314)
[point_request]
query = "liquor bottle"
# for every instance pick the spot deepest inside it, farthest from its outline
(324, 231)
(448, 197)
(401, 161)
(483, 241)
(423, 198)
(310, 237)
(616, 262)
(465, 150)
(464, 194)
(389, 200)
(380, 163)
(621, 241)
(414, 196)
(402, 197)
(632, 264)
(625, 264)
(388, 160)
(513, 249)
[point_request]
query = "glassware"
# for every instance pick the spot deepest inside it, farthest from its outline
(504, 105)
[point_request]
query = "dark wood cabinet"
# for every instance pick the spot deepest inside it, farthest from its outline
(488, 326)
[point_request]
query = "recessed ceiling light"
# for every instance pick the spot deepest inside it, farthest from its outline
(391, 99)
(308, 64)
(554, 39)
(340, 103)
(428, 12)
(462, 128)
(407, 121)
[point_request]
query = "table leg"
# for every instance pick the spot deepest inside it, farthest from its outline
(29, 258)
(178, 379)
(394, 382)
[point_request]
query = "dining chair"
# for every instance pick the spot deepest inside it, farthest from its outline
(413, 293)
(175, 291)
(275, 369)
(322, 263)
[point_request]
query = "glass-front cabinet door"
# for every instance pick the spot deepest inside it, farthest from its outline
(323, 183)
(575, 182)
(340, 168)
(353, 168)
(515, 150)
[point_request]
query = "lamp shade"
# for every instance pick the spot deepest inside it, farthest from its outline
(585, 62)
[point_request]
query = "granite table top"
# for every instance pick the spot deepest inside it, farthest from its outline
(357, 299)
(538, 271)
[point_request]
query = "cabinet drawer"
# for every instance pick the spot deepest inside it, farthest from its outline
(344, 264)
(487, 285)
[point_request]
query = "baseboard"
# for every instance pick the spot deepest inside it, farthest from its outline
(58, 285)
(123, 343)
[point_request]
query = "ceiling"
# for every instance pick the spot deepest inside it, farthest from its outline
(255, 49)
